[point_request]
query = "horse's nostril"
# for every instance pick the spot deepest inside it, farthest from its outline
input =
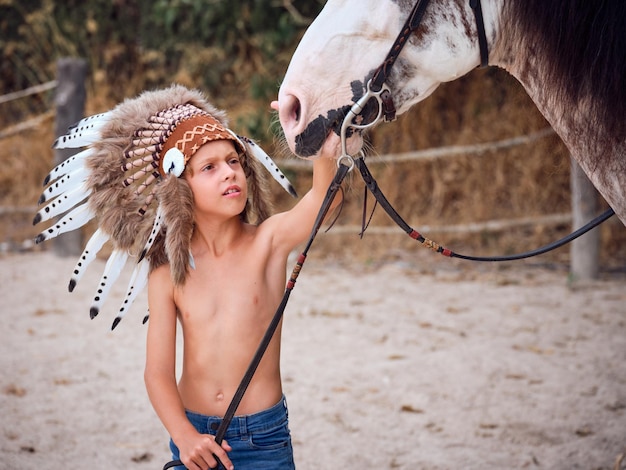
(290, 111)
(296, 110)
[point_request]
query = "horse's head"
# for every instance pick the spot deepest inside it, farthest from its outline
(344, 46)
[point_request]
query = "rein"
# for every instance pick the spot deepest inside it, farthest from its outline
(372, 185)
(343, 167)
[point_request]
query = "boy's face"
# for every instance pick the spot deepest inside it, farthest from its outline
(217, 179)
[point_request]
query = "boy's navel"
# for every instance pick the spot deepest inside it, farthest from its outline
(219, 396)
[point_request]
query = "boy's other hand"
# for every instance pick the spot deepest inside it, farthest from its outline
(198, 452)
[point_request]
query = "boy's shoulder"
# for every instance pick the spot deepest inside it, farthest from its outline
(160, 274)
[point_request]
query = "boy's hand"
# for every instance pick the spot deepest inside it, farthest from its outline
(196, 452)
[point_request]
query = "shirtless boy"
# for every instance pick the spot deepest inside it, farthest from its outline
(228, 298)
(173, 188)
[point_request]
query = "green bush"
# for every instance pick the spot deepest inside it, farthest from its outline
(235, 50)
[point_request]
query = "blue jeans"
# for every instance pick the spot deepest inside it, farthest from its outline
(260, 441)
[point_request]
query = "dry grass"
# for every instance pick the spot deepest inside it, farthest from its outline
(485, 106)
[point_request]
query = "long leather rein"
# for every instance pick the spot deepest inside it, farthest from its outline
(373, 187)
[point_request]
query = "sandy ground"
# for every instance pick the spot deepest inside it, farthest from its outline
(420, 365)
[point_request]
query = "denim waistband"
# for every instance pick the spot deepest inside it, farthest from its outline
(243, 424)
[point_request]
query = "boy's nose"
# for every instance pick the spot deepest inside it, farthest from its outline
(228, 172)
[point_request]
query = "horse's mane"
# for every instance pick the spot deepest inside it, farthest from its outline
(584, 43)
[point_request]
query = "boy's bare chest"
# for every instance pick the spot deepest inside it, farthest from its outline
(229, 292)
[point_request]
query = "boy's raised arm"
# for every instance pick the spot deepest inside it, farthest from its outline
(294, 226)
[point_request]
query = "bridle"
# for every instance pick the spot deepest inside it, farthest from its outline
(376, 87)
(378, 90)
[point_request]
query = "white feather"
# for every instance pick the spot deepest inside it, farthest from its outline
(112, 270)
(77, 140)
(94, 121)
(270, 166)
(66, 183)
(94, 245)
(156, 226)
(75, 219)
(68, 165)
(63, 203)
(138, 281)
(84, 132)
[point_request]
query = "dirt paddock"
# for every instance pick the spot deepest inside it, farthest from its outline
(418, 364)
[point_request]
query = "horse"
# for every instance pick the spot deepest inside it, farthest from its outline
(567, 54)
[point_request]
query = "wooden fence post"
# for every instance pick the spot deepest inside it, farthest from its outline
(585, 250)
(70, 107)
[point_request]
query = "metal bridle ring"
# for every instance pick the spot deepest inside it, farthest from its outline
(350, 160)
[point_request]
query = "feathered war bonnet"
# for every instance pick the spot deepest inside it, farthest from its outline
(128, 180)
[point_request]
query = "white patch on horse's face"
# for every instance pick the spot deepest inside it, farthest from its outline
(343, 47)
(318, 82)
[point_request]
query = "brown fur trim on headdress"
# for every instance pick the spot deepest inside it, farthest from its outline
(126, 179)
(176, 199)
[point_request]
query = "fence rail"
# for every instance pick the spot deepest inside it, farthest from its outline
(9, 210)
(419, 155)
(440, 152)
(473, 227)
(469, 228)
(426, 154)
(26, 125)
(29, 123)
(28, 91)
